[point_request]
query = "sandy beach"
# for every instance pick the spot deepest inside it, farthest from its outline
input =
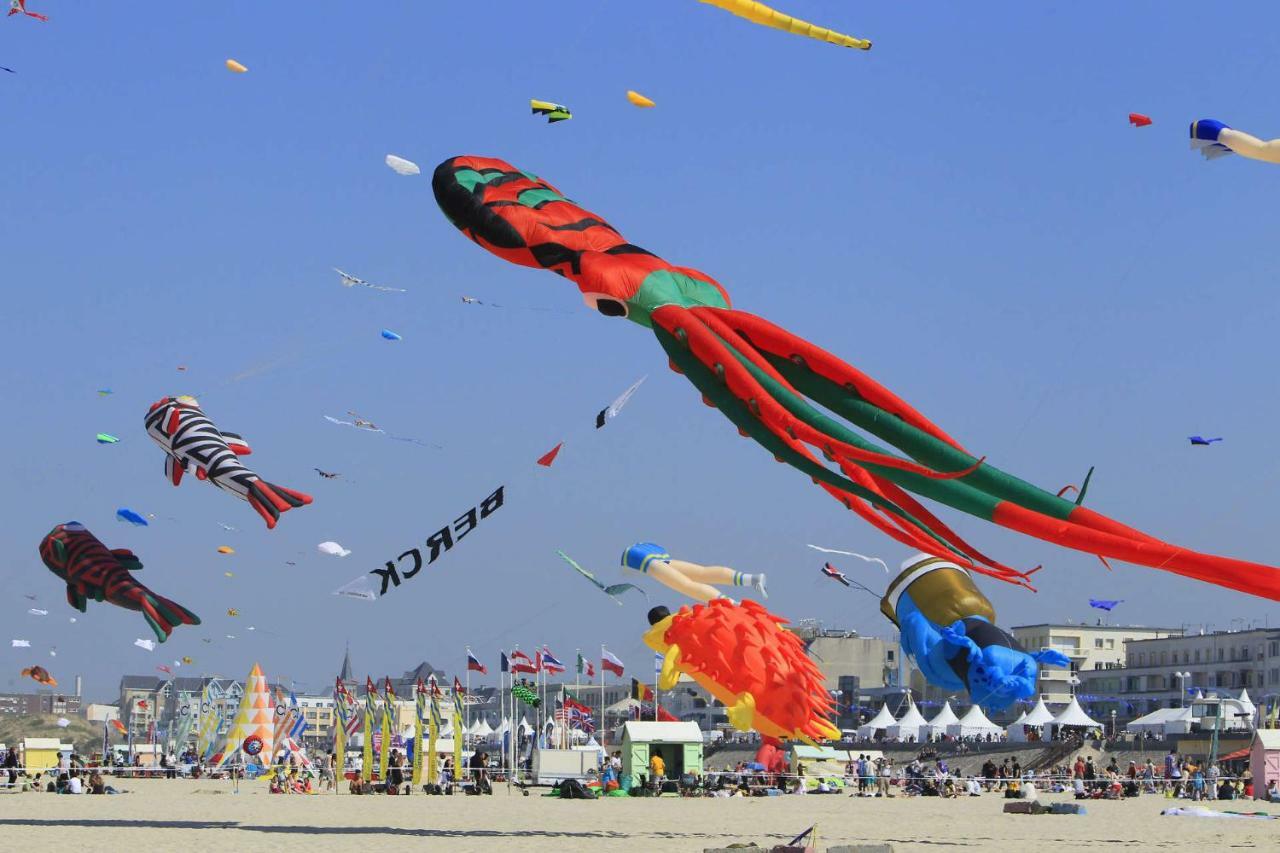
(203, 815)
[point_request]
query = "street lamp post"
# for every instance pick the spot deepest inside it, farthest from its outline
(1182, 687)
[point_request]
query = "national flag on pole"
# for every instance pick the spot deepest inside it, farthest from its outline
(474, 665)
(585, 667)
(640, 691)
(610, 662)
(505, 666)
(570, 701)
(520, 662)
(550, 663)
(657, 664)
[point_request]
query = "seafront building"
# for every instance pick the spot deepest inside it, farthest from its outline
(1090, 647)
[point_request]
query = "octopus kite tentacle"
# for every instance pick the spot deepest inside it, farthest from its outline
(793, 397)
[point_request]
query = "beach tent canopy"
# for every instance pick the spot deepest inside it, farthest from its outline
(524, 726)
(622, 708)
(945, 717)
(974, 723)
(1039, 715)
(1074, 715)
(912, 724)
(483, 729)
(1247, 703)
(879, 722)
(1163, 721)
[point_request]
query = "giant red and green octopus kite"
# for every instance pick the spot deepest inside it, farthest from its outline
(767, 380)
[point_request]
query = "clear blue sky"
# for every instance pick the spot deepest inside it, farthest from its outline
(963, 212)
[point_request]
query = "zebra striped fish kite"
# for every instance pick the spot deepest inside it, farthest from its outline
(795, 399)
(91, 571)
(189, 439)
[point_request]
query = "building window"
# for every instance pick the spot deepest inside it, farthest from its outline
(1197, 656)
(1111, 644)
(1097, 643)
(1220, 655)
(1142, 658)
(1164, 658)
(889, 655)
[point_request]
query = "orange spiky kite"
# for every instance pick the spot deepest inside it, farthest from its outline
(742, 655)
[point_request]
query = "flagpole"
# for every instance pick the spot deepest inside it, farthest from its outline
(655, 694)
(604, 728)
(466, 709)
(577, 681)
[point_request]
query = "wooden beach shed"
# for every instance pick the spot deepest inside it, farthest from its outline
(1264, 761)
(679, 744)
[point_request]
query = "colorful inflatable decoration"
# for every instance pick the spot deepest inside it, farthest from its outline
(1214, 139)
(639, 100)
(1201, 441)
(1107, 604)
(526, 695)
(235, 67)
(389, 335)
(106, 438)
(1139, 120)
(758, 13)
(128, 515)
(252, 745)
(947, 626)
(254, 723)
(189, 439)
(40, 675)
(611, 590)
(744, 657)
(767, 380)
(835, 574)
(688, 579)
(19, 7)
(770, 756)
(349, 280)
(401, 166)
(91, 571)
(553, 112)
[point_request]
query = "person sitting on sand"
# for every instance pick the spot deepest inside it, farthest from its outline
(96, 785)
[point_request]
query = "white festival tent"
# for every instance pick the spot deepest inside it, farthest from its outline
(913, 725)
(944, 718)
(878, 723)
(974, 723)
(1162, 722)
(1073, 715)
(1036, 718)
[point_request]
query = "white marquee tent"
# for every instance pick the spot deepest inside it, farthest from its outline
(880, 722)
(973, 723)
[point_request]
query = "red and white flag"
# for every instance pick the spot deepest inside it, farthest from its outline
(610, 662)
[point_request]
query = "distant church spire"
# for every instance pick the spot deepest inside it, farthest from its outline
(345, 672)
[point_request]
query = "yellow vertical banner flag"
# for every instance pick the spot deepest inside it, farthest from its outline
(419, 711)
(388, 728)
(433, 757)
(457, 731)
(370, 710)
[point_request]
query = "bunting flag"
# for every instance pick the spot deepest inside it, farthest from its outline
(420, 711)
(280, 719)
(341, 717)
(370, 714)
(210, 720)
(253, 718)
(389, 726)
(187, 709)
